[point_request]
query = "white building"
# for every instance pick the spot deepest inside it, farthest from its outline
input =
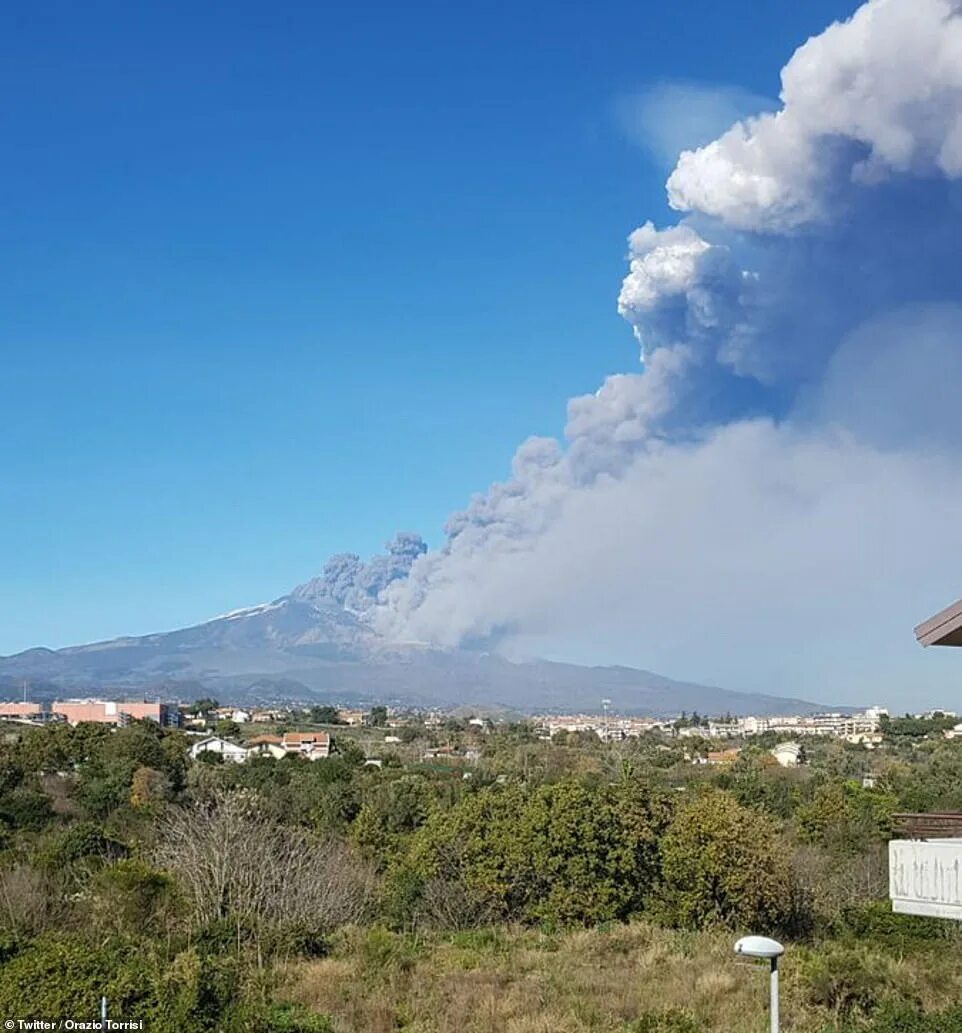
(788, 754)
(230, 751)
(266, 746)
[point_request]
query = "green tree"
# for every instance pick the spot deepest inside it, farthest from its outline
(148, 786)
(845, 818)
(324, 715)
(377, 718)
(725, 863)
(106, 776)
(390, 813)
(201, 706)
(25, 809)
(349, 750)
(566, 852)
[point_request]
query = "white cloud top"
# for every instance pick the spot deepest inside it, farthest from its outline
(765, 504)
(876, 96)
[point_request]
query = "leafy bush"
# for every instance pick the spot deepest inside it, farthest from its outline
(845, 818)
(26, 809)
(65, 976)
(130, 896)
(671, 1021)
(564, 853)
(290, 1018)
(83, 839)
(723, 863)
(381, 950)
(853, 981)
(907, 1019)
(875, 923)
(60, 976)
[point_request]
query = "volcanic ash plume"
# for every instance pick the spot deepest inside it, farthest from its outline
(775, 482)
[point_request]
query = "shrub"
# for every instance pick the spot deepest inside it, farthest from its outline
(291, 1018)
(845, 818)
(60, 976)
(64, 977)
(673, 1020)
(130, 896)
(852, 981)
(907, 1019)
(26, 809)
(381, 951)
(875, 923)
(725, 863)
(564, 853)
(83, 839)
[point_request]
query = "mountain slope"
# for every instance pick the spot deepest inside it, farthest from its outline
(317, 643)
(294, 649)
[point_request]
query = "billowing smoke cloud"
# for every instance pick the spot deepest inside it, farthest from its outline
(349, 582)
(869, 100)
(768, 502)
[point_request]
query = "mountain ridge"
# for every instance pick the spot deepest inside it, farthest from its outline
(318, 643)
(317, 650)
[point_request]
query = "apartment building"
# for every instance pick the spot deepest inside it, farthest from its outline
(30, 711)
(113, 712)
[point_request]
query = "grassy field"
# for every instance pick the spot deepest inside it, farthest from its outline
(633, 977)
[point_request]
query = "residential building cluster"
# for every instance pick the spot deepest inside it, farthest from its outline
(786, 755)
(862, 727)
(262, 715)
(310, 745)
(169, 714)
(608, 728)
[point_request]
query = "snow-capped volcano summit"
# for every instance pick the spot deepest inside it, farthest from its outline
(319, 642)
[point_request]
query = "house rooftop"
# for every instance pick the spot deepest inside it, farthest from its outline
(944, 629)
(293, 738)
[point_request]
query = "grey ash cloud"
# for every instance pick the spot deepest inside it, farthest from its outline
(787, 450)
(355, 585)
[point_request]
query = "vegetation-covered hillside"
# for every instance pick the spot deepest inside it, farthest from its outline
(562, 885)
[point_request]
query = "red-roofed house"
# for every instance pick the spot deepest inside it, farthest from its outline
(313, 745)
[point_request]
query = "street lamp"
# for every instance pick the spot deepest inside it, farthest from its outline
(772, 950)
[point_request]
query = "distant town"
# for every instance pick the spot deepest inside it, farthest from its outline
(237, 733)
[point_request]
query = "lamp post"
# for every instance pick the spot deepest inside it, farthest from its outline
(772, 950)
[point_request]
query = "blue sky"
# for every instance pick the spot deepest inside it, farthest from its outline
(279, 279)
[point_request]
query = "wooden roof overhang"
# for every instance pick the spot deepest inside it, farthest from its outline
(944, 629)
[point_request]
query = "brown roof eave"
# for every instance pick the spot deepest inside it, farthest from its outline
(944, 629)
